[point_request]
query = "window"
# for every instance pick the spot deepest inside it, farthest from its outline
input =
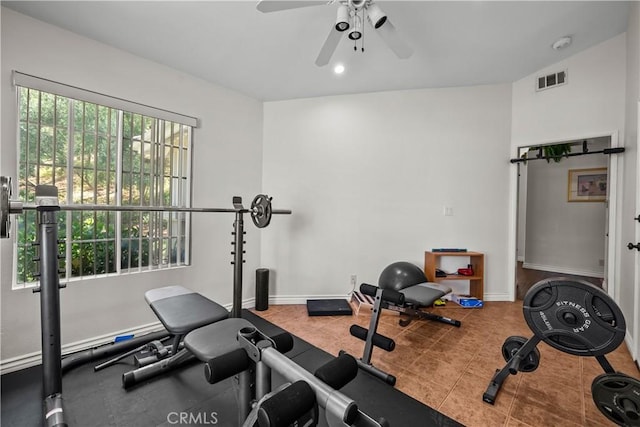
(101, 155)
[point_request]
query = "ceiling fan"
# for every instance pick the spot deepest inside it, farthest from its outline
(349, 20)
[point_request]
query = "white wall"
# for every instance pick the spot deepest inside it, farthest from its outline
(227, 162)
(561, 236)
(630, 229)
(590, 104)
(368, 177)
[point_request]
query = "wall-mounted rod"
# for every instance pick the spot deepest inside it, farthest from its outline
(585, 152)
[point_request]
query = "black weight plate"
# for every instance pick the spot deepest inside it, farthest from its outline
(510, 348)
(617, 396)
(574, 316)
(261, 210)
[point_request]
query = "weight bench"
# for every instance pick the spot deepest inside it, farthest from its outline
(406, 301)
(180, 311)
(217, 346)
(234, 347)
(416, 297)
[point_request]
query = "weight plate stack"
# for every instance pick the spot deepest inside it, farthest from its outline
(261, 210)
(617, 396)
(529, 363)
(574, 316)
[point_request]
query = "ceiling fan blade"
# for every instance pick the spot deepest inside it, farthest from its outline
(329, 46)
(392, 38)
(267, 6)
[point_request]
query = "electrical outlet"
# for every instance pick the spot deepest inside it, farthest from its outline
(354, 280)
(448, 211)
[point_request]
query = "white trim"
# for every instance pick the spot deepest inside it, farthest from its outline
(563, 270)
(506, 297)
(635, 349)
(69, 91)
(301, 299)
(32, 359)
(613, 287)
(512, 242)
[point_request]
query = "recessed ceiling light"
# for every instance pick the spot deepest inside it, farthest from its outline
(338, 69)
(561, 43)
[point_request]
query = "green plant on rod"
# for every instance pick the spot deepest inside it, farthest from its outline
(551, 152)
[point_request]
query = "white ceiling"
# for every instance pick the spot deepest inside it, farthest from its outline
(271, 56)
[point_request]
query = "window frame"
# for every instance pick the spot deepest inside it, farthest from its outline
(122, 108)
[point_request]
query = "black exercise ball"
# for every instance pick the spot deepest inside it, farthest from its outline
(400, 275)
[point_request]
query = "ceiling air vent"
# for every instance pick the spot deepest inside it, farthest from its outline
(551, 80)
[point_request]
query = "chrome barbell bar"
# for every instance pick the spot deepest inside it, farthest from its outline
(260, 208)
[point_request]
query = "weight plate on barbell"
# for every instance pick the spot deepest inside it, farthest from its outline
(617, 396)
(574, 316)
(5, 197)
(511, 345)
(261, 210)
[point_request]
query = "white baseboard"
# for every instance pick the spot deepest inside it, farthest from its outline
(497, 297)
(563, 270)
(32, 359)
(301, 299)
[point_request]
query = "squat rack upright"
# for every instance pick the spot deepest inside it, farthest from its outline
(47, 207)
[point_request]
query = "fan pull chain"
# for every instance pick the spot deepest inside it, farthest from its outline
(363, 25)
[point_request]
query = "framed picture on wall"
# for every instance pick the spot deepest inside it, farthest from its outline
(587, 185)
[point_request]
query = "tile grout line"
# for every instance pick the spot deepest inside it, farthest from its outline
(462, 371)
(513, 402)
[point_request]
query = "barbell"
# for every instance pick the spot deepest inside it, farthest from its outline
(260, 209)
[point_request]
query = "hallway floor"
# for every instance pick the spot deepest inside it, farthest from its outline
(527, 277)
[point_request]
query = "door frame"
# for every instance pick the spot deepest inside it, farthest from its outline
(612, 262)
(636, 276)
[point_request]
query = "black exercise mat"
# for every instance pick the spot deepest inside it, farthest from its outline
(328, 307)
(98, 399)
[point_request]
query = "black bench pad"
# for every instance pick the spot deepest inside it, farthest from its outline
(424, 294)
(185, 311)
(216, 339)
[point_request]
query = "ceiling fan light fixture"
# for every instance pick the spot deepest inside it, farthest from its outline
(376, 16)
(342, 20)
(356, 4)
(356, 32)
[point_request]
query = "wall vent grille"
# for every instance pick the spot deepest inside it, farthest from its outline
(551, 80)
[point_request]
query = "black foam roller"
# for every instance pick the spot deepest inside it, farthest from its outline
(262, 289)
(283, 341)
(368, 289)
(227, 365)
(338, 372)
(285, 407)
(389, 295)
(378, 340)
(393, 296)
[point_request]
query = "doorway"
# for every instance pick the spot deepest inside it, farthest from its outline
(562, 230)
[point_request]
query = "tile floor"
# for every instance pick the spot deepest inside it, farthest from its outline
(449, 368)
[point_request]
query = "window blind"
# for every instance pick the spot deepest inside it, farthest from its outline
(50, 86)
